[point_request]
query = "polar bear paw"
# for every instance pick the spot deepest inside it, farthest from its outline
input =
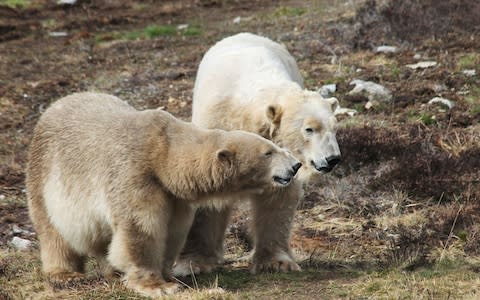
(150, 285)
(63, 279)
(189, 266)
(281, 262)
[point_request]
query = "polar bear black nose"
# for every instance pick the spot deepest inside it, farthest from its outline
(333, 160)
(296, 167)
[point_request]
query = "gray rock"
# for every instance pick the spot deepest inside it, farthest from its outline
(371, 103)
(327, 89)
(438, 100)
(422, 65)
(21, 244)
(345, 111)
(469, 73)
(17, 230)
(373, 91)
(68, 2)
(386, 49)
(438, 87)
(57, 33)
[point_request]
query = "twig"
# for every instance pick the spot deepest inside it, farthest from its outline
(451, 232)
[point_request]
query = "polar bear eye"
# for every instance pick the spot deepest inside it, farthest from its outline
(268, 153)
(309, 130)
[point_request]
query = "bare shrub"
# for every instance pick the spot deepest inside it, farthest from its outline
(423, 168)
(412, 20)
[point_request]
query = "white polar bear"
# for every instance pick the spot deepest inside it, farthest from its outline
(251, 83)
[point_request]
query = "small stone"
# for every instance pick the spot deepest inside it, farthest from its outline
(57, 34)
(345, 111)
(386, 49)
(371, 103)
(17, 230)
(69, 2)
(448, 103)
(2, 197)
(182, 26)
(327, 89)
(438, 87)
(237, 20)
(371, 90)
(422, 65)
(21, 244)
(470, 73)
(417, 56)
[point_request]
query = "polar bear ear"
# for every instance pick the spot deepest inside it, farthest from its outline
(333, 103)
(225, 155)
(274, 113)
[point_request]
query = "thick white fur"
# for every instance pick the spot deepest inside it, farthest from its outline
(252, 73)
(251, 83)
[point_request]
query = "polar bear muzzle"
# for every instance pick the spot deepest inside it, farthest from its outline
(286, 179)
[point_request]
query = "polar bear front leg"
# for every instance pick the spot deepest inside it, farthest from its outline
(180, 223)
(203, 250)
(139, 252)
(272, 223)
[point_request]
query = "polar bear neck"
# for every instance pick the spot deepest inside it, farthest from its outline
(188, 168)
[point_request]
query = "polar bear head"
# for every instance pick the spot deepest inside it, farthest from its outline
(304, 122)
(256, 161)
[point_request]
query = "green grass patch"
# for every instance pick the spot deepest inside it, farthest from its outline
(337, 80)
(310, 82)
(473, 100)
(49, 23)
(429, 274)
(15, 3)
(149, 32)
(131, 36)
(424, 117)
(192, 31)
(394, 70)
(360, 107)
(153, 31)
(468, 61)
(427, 119)
(285, 11)
(139, 6)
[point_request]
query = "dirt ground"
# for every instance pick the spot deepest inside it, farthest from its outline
(405, 197)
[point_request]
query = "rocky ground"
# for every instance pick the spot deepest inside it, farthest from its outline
(399, 218)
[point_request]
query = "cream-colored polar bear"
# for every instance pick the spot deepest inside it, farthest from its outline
(251, 83)
(106, 180)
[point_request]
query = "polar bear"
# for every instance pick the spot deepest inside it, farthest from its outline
(108, 181)
(251, 83)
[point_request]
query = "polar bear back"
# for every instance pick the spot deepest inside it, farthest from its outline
(243, 60)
